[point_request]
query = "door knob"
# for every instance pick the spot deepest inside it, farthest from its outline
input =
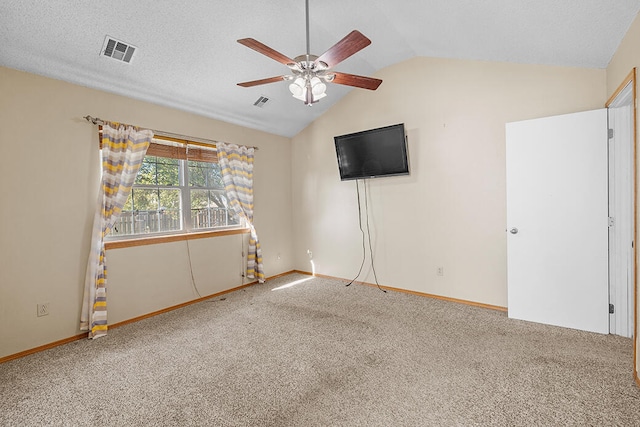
(513, 231)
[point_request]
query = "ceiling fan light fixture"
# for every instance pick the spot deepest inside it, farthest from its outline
(297, 88)
(318, 88)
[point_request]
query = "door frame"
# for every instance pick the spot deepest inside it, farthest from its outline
(621, 212)
(631, 79)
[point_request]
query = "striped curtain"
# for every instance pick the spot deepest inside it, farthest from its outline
(123, 149)
(236, 164)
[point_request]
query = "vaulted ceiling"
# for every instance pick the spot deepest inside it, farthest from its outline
(187, 56)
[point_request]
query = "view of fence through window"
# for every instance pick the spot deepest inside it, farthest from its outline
(163, 187)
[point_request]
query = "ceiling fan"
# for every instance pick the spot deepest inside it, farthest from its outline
(309, 73)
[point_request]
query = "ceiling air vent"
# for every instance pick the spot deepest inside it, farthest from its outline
(118, 50)
(261, 101)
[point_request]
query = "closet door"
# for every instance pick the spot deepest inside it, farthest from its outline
(557, 221)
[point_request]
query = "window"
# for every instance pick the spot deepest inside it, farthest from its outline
(171, 178)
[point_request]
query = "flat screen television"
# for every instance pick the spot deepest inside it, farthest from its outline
(372, 153)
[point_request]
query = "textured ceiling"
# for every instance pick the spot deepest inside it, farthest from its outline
(188, 57)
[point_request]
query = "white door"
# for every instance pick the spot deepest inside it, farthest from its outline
(557, 221)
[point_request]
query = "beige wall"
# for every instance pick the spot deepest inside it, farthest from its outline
(625, 59)
(451, 211)
(49, 174)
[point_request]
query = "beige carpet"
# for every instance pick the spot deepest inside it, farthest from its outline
(320, 354)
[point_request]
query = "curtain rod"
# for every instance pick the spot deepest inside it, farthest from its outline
(172, 136)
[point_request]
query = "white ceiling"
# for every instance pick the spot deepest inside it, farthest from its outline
(188, 57)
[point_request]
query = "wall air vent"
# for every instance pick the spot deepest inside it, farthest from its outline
(261, 101)
(118, 50)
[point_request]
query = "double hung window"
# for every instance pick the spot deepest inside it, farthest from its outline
(178, 189)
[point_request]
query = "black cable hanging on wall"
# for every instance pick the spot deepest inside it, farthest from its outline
(368, 236)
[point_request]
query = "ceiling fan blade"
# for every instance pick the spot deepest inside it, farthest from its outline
(266, 50)
(356, 81)
(263, 81)
(350, 44)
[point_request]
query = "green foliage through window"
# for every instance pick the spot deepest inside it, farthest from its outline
(163, 187)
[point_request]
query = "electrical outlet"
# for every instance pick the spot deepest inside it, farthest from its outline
(440, 271)
(278, 257)
(310, 253)
(43, 309)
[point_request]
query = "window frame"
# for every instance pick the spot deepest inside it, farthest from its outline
(188, 199)
(184, 151)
